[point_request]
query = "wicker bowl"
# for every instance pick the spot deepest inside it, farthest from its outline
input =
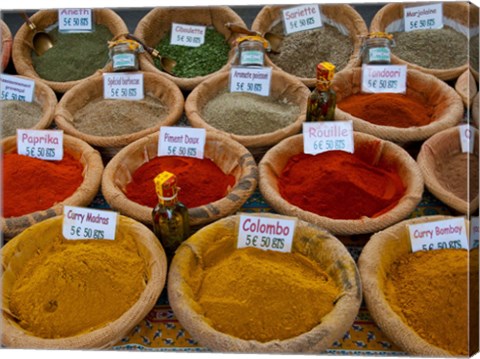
(438, 150)
(46, 98)
(206, 246)
(27, 245)
(157, 23)
(390, 19)
(466, 87)
(386, 154)
(381, 251)
(341, 16)
(22, 43)
(6, 48)
(447, 104)
(92, 176)
(231, 157)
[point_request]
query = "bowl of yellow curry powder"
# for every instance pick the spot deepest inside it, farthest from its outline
(419, 299)
(78, 294)
(264, 301)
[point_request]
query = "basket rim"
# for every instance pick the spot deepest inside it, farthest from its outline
(116, 198)
(364, 225)
(108, 335)
(195, 117)
(317, 339)
(368, 264)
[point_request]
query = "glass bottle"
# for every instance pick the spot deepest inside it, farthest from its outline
(322, 101)
(376, 49)
(251, 50)
(123, 54)
(170, 217)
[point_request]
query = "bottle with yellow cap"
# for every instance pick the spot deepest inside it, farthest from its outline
(170, 217)
(323, 99)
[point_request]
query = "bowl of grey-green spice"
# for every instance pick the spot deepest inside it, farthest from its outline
(193, 64)
(74, 56)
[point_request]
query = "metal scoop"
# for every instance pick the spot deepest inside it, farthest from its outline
(167, 63)
(275, 40)
(41, 41)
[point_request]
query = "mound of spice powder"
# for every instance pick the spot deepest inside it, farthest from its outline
(200, 181)
(18, 114)
(388, 109)
(429, 291)
(339, 185)
(209, 57)
(31, 184)
(74, 56)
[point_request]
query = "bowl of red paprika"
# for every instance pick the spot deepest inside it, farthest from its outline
(35, 190)
(428, 106)
(346, 193)
(211, 188)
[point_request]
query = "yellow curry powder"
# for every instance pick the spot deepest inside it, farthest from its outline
(266, 295)
(73, 287)
(428, 290)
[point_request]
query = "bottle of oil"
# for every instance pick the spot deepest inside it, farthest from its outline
(322, 101)
(170, 217)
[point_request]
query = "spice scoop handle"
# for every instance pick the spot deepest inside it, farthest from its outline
(240, 29)
(29, 22)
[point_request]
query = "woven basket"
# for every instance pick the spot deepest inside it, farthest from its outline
(92, 89)
(475, 110)
(388, 154)
(448, 106)
(22, 44)
(157, 23)
(6, 48)
(84, 194)
(456, 14)
(380, 252)
(466, 87)
(231, 157)
(46, 98)
(341, 16)
(25, 246)
(438, 149)
(282, 86)
(193, 256)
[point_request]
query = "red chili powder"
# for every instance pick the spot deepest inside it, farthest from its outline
(388, 109)
(339, 185)
(31, 184)
(201, 181)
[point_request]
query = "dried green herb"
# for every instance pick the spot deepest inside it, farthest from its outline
(211, 56)
(74, 56)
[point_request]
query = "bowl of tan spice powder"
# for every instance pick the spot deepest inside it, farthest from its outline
(74, 56)
(193, 64)
(78, 294)
(37, 114)
(109, 124)
(420, 300)
(257, 122)
(338, 41)
(450, 171)
(440, 52)
(264, 301)
(428, 106)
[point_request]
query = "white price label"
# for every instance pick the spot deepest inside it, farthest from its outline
(301, 18)
(16, 88)
(384, 78)
(251, 80)
(273, 233)
(75, 20)
(467, 138)
(181, 141)
(88, 223)
(123, 86)
(42, 144)
(326, 136)
(474, 229)
(187, 35)
(423, 17)
(445, 234)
